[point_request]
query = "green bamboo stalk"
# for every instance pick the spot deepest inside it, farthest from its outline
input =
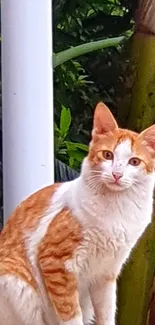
(135, 285)
(142, 109)
(82, 49)
(136, 281)
(137, 277)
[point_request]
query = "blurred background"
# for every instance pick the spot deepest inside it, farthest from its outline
(101, 75)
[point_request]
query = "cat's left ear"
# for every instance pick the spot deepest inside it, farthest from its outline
(103, 120)
(148, 137)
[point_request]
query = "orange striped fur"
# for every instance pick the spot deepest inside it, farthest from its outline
(13, 259)
(63, 236)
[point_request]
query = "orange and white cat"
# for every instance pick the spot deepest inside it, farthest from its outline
(63, 248)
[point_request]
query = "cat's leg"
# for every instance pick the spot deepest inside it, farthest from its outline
(62, 289)
(68, 309)
(19, 303)
(103, 295)
(57, 266)
(87, 307)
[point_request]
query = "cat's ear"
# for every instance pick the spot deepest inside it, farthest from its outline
(148, 137)
(103, 120)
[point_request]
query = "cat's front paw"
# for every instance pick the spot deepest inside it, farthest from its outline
(104, 323)
(75, 321)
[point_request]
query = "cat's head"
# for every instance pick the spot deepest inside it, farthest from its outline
(118, 158)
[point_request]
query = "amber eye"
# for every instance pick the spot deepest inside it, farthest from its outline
(108, 155)
(134, 161)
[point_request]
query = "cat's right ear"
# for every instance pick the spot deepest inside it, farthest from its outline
(103, 120)
(148, 137)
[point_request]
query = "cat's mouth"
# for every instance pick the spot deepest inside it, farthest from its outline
(115, 185)
(116, 182)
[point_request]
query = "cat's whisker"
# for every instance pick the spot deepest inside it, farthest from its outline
(93, 184)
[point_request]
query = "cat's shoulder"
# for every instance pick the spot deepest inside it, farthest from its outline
(29, 212)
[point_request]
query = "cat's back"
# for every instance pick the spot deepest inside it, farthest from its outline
(25, 218)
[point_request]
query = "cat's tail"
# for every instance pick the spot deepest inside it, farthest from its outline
(19, 302)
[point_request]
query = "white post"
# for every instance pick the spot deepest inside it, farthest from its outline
(27, 99)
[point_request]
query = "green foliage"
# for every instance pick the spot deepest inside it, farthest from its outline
(83, 81)
(67, 151)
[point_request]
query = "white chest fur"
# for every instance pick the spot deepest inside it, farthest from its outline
(112, 224)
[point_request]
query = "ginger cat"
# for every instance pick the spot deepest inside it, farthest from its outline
(63, 248)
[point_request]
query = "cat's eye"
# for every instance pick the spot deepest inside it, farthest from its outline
(134, 161)
(108, 155)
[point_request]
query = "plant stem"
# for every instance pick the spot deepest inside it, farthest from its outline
(82, 49)
(142, 111)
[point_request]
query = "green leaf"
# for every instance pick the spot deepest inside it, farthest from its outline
(83, 77)
(71, 162)
(65, 121)
(76, 145)
(73, 52)
(90, 12)
(62, 151)
(76, 155)
(58, 143)
(56, 129)
(82, 146)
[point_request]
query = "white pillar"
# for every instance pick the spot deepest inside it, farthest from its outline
(27, 99)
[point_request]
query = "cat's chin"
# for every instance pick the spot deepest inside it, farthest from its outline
(116, 187)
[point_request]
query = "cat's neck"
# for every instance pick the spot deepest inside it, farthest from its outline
(84, 194)
(90, 205)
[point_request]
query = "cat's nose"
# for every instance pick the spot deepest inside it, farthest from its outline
(117, 175)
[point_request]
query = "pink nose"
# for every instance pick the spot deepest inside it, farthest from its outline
(117, 175)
